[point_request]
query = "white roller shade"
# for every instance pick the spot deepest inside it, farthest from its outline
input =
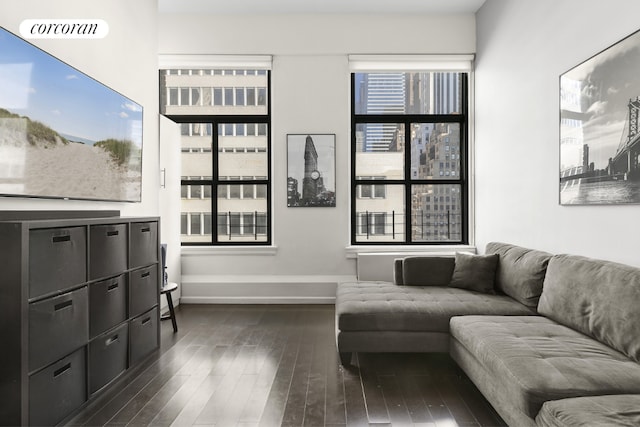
(256, 62)
(371, 63)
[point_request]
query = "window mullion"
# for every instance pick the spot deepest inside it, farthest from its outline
(408, 208)
(464, 161)
(355, 224)
(215, 179)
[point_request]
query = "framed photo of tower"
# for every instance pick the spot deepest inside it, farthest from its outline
(311, 170)
(600, 127)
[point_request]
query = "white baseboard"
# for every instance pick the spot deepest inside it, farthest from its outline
(260, 289)
(257, 300)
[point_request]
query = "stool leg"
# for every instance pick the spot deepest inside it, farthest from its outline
(172, 313)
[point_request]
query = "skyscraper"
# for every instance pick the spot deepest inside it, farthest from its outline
(385, 93)
(445, 93)
(312, 181)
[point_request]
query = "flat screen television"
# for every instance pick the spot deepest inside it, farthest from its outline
(63, 134)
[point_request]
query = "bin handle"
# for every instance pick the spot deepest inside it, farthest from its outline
(62, 370)
(112, 340)
(63, 305)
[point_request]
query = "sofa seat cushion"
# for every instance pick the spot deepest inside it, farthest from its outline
(383, 306)
(534, 359)
(616, 410)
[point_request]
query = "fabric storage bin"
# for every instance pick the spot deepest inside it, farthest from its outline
(107, 304)
(57, 326)
(108, 357)
(144, 241)
(143, 333)
(107, 250)
(57, 390)
(57, 259)
(144, 289)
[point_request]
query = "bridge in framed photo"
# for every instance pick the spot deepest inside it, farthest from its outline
(625, 162)
(623, 165)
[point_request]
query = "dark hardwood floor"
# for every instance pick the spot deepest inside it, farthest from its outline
(272, 365)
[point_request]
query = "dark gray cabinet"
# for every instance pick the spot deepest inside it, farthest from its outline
(79, 302)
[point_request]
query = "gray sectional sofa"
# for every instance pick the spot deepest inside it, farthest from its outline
(550, 340)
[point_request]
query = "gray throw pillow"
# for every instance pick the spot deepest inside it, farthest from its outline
(475, 272)
(427, 270)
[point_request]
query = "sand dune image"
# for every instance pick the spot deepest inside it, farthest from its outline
(55, 167)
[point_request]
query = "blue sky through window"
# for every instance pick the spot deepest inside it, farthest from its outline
(40, 86)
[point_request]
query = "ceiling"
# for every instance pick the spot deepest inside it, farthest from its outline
(275, 7)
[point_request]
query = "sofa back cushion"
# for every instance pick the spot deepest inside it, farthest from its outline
(601, 299)
(426, 271)
(520, 272)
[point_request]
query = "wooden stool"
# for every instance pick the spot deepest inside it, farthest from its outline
(166, 290)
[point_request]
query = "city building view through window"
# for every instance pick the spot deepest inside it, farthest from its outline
(409, 139)
(408, 162)
(224, 116)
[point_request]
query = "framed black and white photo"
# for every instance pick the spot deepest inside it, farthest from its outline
(311, 170)
(600, 127)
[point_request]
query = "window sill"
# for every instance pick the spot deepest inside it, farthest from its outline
(354, 251)
(229, 250)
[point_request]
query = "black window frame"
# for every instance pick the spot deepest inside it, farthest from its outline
(462, 118)
(215, 121)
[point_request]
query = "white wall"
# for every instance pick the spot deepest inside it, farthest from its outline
(522, 48)
(310, 94)
(125, 60)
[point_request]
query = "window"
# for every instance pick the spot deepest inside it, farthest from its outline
(373, 190)
(217, 96)
(225, 153)
(228, 96)
(374, 224)
(409, 151)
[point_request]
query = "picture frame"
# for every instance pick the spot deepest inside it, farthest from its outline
(311, 170)
(600, 127)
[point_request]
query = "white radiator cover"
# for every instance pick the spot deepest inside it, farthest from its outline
(257, 289)
(376, 266)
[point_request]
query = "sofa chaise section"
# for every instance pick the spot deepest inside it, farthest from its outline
(519, 363)
(587, 344)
